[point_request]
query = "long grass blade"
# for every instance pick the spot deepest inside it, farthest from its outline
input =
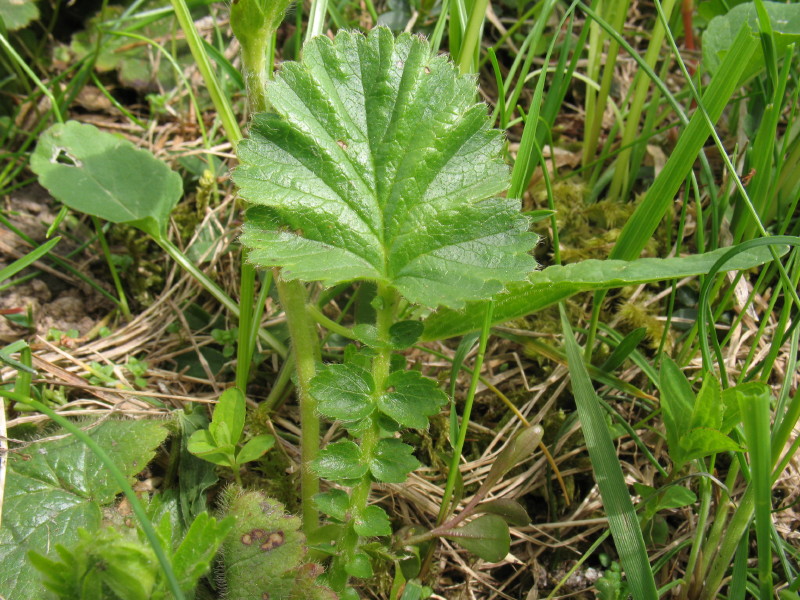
(754, 406)
(644, 221)
(622, 519)
(27, 260)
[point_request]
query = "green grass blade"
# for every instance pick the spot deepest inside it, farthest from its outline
(623, 175)
(622, 519)
(220, 100)
(27, 260)
(727, 254)
(755, 410)
(644, 221)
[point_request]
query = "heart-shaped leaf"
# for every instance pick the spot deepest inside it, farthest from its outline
(380, 165)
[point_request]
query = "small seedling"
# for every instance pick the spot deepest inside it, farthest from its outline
(227, 339)
(219, 443)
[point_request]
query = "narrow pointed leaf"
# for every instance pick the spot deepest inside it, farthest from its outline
(510, 510)
(622, 518)
(548, 286)
(378, 164)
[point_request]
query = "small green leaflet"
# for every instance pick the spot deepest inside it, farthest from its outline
(340, 460)
(393, 461)
(343, 392)
(379, 165)
(411, 399)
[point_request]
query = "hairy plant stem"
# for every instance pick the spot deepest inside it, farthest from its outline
(306, 353)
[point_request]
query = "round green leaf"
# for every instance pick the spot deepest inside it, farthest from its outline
(334, 503)
(379, 165)
(106, 176)
(411, 399)
(487, 537)
(359, 566)
(373, 521)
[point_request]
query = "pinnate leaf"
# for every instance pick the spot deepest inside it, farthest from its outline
(343, 392)
(411, 399)
(379, 165)
(393, 461)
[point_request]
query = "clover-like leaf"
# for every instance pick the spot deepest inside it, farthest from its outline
(380, 165)
(392, 461)
(343, 392)
(340, 460)
(411, 399)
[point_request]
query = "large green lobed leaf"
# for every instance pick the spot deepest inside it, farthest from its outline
(378, 164)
